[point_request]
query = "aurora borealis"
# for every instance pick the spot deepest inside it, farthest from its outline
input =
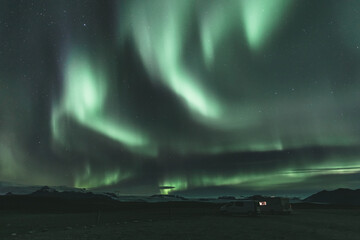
(210, 97)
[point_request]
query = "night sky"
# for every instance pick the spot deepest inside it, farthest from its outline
(210, 97)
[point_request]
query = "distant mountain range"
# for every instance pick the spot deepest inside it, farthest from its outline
(339, 196)
(52, 192)
(14, 188)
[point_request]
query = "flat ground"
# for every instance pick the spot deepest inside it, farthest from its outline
(180, 223)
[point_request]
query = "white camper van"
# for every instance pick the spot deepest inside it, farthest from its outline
(275, 205)
(245, 207)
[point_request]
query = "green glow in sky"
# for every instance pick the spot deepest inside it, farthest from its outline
(177, 80)
(10, 158)
(159, 29)
(260, 180)
(177, 182)
(84, 99)
(88, 179)
(215, 22)
(261, 18)
(250, 180)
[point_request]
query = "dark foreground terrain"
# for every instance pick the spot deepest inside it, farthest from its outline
(184, 220)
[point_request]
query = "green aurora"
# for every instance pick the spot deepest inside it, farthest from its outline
(247, 95)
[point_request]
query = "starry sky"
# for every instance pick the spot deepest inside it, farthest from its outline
(190, 97)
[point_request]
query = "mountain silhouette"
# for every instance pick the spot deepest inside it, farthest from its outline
(338, 196)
